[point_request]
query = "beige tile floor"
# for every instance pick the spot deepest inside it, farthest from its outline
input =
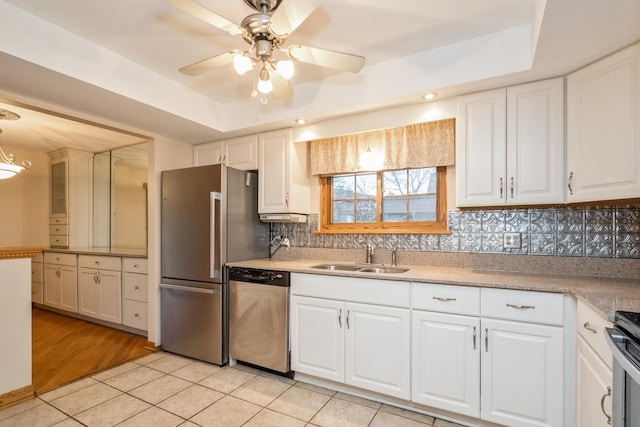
(168, 390)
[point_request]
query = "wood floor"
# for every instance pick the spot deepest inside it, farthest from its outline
(65, 349)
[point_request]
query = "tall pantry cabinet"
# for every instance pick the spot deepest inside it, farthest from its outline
(70, 213)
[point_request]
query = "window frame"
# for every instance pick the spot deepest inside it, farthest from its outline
(439, 226)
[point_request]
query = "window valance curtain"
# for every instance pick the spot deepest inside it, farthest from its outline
(419, 145)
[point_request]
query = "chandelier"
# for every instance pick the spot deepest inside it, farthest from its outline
(8, 166)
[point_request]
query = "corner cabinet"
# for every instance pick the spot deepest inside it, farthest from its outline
(239, 153)
(71, 192)
(510, 145)
(283, 180)
(603, 129)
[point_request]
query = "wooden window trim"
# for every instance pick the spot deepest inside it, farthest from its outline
(439, 226)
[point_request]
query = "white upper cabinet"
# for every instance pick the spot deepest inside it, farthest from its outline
(239, 153)
(510, 146)
(283, 180)
(603, 129)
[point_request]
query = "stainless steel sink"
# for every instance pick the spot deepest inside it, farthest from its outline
(360, 268)
(383, 270)
(338, 267)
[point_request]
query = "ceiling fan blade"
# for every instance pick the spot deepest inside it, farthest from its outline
(201, 12)
(290, 14)
(327, 58)
(281, 87)
(202, 66)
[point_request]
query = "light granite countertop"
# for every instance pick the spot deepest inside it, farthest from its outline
(604, 295)
(100, 250)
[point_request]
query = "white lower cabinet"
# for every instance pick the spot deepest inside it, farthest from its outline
(445, 362)
(352, 331)
(522, 373)
(362, 345)
(317, 337)
(99, 291)
(60, 281)
(594, 373)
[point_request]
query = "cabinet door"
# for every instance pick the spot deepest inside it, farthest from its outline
(378, 349)
(522, 373)
(58, 203)
(535, 143)
(99, 294)
(207, 154)
(446, 362)
(273, 173)
(88, 292)
(242, 153)
(603, 128)
(481, 149)
(317, 337)
(110, 296)
(69, 288)
(593, 388)
(51, 285)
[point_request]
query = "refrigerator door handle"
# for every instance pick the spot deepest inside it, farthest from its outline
(215, 274)
(189, 289)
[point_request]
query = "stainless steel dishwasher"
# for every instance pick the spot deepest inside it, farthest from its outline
(259, 318)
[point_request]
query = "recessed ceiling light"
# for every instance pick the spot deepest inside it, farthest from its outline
(429, 96)
(300, 121)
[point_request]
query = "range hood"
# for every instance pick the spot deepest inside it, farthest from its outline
(297, 218)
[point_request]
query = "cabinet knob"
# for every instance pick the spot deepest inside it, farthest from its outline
(135, 265)
(136, 288)
(136, 315)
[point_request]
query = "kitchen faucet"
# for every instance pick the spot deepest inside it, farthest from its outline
(369, 253)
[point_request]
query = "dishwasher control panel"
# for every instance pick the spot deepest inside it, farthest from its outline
(253, 275)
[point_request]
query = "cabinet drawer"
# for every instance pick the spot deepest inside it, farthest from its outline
(134, 314)
(591, 327)
(134, 286)
(446, 298)
(59, 230)
(59, 258)
(99, 262)
(58, 220)
(524, 306)
(135, 265)
(59, 241)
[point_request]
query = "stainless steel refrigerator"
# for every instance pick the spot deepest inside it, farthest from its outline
(209, 216)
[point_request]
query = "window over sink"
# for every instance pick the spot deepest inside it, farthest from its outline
(411, 200)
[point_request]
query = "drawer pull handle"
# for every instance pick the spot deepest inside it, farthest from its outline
(347, 319)
(608, 394)
(340, 319)
(590, 328)
(444, 299)
(522, 307)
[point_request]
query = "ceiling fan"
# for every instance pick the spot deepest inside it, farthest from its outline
(266, 32)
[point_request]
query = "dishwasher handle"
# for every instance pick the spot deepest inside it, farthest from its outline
(190, 289)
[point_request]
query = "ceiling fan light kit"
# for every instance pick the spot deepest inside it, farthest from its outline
(266, 33)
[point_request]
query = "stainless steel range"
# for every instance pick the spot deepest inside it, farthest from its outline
(624, 340)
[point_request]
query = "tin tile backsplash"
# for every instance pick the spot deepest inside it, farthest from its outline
(604, 232)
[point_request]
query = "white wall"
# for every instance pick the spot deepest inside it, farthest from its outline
(24, 201)
(164, 154)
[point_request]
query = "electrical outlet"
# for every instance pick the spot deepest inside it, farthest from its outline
(512, 241)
